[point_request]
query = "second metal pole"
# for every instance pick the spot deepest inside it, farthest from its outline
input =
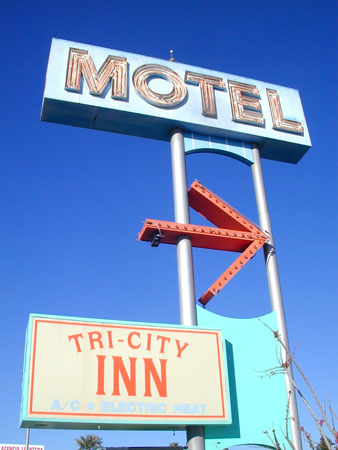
(27, 439)
(275, 288)
(185, 268)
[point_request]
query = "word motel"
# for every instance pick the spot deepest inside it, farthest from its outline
(111, 90)
(244, 97)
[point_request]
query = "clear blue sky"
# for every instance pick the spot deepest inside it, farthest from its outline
(73, 200)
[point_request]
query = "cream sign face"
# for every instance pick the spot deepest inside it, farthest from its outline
(122, 375)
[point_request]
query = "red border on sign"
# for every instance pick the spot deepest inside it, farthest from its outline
(116, 416)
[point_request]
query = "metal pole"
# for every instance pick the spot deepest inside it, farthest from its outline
(27, 439)
(275, 288)
(185, 268)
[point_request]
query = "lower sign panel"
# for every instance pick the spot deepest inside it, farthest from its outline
(83, 373)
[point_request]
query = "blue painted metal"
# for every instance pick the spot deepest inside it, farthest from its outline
(137, 117)
(198, 143)
(258, 399)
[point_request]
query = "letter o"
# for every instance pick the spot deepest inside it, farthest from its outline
(142, 76)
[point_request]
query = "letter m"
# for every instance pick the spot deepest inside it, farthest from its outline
(114, 68)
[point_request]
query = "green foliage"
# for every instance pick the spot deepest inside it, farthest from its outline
(323, 445)
(89, 442)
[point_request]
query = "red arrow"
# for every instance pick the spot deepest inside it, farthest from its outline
(235, 233)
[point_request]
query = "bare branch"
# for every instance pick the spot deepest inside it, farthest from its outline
(285, 365)
(273, 441)
(287, 415)
(332, 414)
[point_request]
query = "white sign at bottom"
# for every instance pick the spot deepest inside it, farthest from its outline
(20, 447)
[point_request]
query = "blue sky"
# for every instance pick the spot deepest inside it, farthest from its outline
(73, 200)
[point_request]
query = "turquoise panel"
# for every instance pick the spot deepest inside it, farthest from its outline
(198, 143)
(258, 401)
(25, 375)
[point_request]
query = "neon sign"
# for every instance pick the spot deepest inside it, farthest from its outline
(146, 97)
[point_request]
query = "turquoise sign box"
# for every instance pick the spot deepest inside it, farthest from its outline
(197, 143)
(256, 399)
(258, 396)
(135, 114)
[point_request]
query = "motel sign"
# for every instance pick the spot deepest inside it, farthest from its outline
(110, 90)
(204, 374)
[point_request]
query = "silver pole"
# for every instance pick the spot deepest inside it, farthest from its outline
(185, 268)
(275, 288)
(27, 439)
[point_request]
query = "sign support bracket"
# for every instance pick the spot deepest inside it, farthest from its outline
(275, 291)
(186, 283)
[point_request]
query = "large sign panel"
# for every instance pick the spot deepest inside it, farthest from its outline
(111, 90)
(81, 373)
